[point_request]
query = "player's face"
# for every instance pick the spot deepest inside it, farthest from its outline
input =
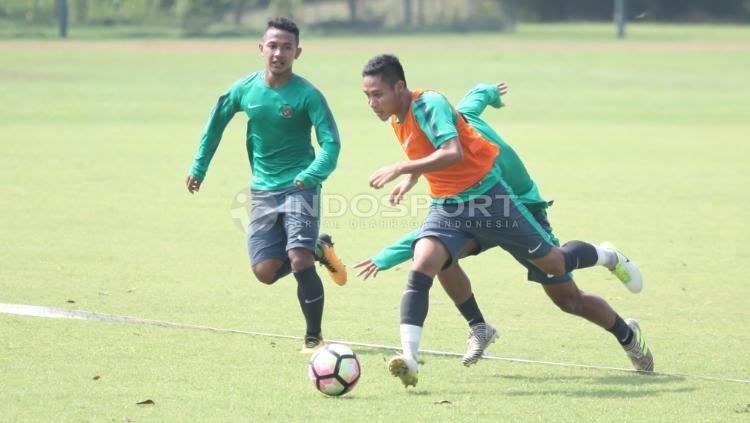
(279, 49)
(382, 98)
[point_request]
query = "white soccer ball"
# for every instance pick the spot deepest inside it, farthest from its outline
(334, 369)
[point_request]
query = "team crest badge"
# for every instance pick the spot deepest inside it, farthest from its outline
(286, 111)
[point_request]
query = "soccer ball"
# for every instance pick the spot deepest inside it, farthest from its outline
(334, 369)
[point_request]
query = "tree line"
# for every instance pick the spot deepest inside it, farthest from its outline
(196, 15)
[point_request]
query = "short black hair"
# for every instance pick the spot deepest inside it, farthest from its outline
(387, 67)
(285, 24)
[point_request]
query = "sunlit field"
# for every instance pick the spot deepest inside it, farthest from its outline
(642, 142)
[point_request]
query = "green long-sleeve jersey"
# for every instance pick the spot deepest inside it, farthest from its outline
(279, 123)
(513, 171)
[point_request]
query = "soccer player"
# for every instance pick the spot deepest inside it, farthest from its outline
(561, 290)
(281, 109)
(470, 200)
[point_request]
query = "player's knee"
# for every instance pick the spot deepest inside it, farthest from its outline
(265, 275)
(430, 256)
(553, 269)
(428, 265)
(552, 264)
(301, 259)
(557, 269)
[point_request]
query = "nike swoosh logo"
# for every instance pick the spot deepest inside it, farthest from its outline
(410, 290)
(534, 250)
(253, 106)
(313, 300)
(407, 141)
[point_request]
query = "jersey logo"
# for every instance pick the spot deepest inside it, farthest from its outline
(286, 111)
(253, 106)
(406, 142)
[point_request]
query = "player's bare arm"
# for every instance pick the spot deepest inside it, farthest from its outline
(449, 154)
(398, 192)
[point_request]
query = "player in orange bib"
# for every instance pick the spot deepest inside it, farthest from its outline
(470, 201)
(478, 154)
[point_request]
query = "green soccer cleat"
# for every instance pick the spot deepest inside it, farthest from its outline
(637, 350)
(625, 270)
(404, 368)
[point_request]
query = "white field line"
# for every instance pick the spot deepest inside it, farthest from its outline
(58, 313)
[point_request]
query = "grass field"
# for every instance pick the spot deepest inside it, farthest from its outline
(643, 142)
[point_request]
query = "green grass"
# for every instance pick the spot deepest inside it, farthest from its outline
(642, 142)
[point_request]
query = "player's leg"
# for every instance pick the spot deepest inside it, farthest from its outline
(575, 255)
(514, 228)
(591, 307)
(580, 255)
(301, 222)
(455, 282)
(270, 270)
(310, 295)
(430, 255)
(439, 245)
(564, 292)
(570, 299)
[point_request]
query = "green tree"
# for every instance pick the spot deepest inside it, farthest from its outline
(284, 7)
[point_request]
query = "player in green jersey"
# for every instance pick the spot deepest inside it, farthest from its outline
(562, 290)
(281, 109)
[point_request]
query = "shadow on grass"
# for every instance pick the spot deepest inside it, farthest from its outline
(599, 393)
(628, 386)
(634, 379)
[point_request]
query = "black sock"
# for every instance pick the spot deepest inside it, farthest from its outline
(311, 298)
(285, 269)
(470, 310)
(621, 331)
(578, 255)
(416, 299)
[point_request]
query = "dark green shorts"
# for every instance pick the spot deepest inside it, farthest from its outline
(493, 219)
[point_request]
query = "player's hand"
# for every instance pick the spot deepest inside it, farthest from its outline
(384, 175)
(193, 185)
(299, 184)
(502, 88)
(368, 269)
(397, 194)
